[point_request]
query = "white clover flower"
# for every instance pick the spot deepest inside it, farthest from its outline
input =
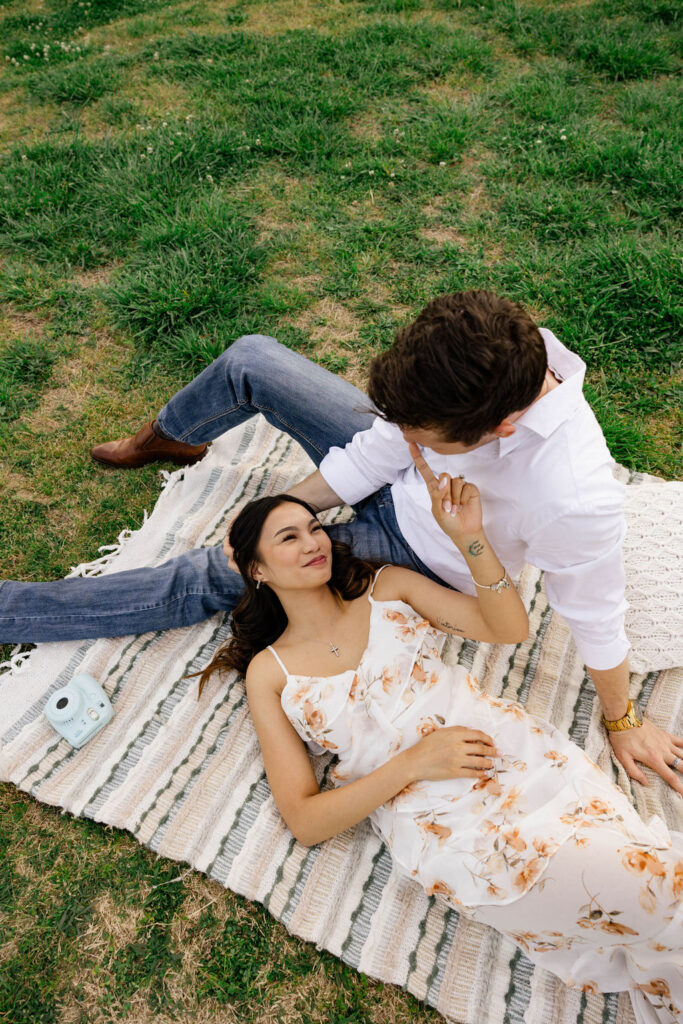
(209, 178)
(563, 138)
(442, 163)
(371, 172)
(150, 149)
(24, 157)
(156, 55)
(391, 174)
(164, 124)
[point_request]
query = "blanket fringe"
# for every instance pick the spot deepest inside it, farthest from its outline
(17, 662)
(111, 552)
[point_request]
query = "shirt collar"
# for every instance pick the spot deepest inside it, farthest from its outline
(557, 406)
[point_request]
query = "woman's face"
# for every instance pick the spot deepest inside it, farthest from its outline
(294, 550)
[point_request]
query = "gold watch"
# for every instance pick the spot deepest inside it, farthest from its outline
(633, 719)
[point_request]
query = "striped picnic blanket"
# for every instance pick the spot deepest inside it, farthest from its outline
(186, 778)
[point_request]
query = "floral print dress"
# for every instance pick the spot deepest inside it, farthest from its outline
(482, 844)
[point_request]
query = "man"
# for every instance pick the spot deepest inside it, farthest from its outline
(485, 394)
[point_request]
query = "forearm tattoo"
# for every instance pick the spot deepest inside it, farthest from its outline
(475, 548)
(449, 625)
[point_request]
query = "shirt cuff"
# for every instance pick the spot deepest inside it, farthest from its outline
(603, 656)
(343, 477)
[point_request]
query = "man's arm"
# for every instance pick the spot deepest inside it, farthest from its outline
(316, 491)
(581, 554)
(648, 744)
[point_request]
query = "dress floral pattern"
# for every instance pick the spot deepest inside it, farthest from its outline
(483, 844)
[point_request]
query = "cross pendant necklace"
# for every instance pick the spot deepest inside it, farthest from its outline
(335, 650)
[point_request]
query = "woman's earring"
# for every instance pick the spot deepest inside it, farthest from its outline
(258, 584)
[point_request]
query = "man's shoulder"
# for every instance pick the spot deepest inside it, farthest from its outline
(573, 468)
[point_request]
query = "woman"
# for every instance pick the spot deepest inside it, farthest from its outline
(484, 805)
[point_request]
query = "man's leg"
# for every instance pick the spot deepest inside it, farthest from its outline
(255, 375)
(186, 589)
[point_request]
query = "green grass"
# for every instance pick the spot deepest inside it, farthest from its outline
(175, 174)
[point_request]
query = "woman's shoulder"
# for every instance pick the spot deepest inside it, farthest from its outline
(263, 670)
(393, 582)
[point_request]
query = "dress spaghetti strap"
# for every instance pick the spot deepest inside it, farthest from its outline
(372, 588)
(278, 659)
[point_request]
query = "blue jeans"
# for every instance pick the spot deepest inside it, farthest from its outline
(254, 375)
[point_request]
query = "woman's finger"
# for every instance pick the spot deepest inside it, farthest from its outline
(476, 736)
(479, 762)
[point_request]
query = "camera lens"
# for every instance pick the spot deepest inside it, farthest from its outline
(62, 703)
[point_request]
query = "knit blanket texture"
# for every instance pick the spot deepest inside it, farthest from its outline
(186, 777)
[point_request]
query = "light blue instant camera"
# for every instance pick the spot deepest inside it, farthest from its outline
(79, 710)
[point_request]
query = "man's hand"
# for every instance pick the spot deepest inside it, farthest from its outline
(653, 747)
(227, 550)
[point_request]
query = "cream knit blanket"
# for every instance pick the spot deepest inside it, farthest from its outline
(186, 778)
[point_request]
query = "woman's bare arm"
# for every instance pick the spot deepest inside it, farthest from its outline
(313, 816)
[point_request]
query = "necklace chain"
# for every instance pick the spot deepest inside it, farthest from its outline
(328, 643)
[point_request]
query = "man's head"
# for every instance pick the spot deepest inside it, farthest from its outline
(468, 363)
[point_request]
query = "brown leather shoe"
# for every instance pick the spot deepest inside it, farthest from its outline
(145, 447)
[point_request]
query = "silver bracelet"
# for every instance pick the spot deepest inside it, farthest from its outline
(502, 584)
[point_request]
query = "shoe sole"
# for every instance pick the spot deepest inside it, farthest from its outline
(175, 460)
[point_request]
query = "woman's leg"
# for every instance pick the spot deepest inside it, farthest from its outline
(606, 917)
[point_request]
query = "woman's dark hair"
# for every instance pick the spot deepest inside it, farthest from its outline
(259, 618)
(469, 360)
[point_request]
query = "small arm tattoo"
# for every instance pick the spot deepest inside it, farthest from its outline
(449, 625)
(475, 548)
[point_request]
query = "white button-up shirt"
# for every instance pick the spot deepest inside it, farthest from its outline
(548, 495)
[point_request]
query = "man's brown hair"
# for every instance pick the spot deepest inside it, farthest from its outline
(469, 360)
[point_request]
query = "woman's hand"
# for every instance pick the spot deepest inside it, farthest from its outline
(456, 504)
(454, 752)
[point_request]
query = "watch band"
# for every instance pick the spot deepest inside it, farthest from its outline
(631, 720)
